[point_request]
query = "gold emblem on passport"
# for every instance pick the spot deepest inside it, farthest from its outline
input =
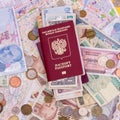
(59, 46)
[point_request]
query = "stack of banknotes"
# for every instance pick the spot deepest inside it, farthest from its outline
(26, 94)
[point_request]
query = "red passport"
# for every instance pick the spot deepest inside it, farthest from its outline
(61, 51)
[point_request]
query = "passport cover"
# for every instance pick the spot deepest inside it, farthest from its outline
(61, 51)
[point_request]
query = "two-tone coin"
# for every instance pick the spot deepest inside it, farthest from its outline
(110, 63)
(96, 110)
(31, 36)
(26, 109)
(31, 73)
(83, 13)
(15, 81)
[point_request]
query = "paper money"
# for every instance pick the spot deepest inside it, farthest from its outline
(65, 83)
(86, 99)
(63, 9)
(101, 61)
(61, 94)
(99, 12)
(99, 41)
(43, 110)
(113, 29)
(11, 51)
(99, 87)
(56, 18)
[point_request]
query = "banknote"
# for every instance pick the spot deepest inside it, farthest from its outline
(45, 107)
(6, 3)
(97, 40)
(61, 94)
(101, 61)
(99, 12)
(65, 83)
(99, 87)
(113, 29)
(86, 99)
(62, 9)
(59, 17)
(11, 50)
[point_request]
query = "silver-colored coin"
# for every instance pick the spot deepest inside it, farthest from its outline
(66, 111)
(34, 118)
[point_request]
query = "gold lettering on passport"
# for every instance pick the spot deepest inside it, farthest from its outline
(59, 46)
(63, 65)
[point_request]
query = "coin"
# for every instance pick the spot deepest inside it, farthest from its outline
(90, 33)
(118, 107)
(48, 99)
(1, 97)
(29, 61)
(96, 110)
(117, 72)
(110, 63)
(34, 118)
(15, 81)
(83, 13)
(31, 73)
(26, 109)
(31, 36)
(62, 118)
(75, 114)
(83, 111)
(102, 117)
(3, 102)
(15, 110)
(66, 111)
(1, 107)
(14, 117)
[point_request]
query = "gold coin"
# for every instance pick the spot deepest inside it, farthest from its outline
(31, 36)
(83, 13)
(62, 118)
(26, 109)
(110, 63)
(119, 107)
(90, 33)
(14, 117)
(48, 99)
(96, 110)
